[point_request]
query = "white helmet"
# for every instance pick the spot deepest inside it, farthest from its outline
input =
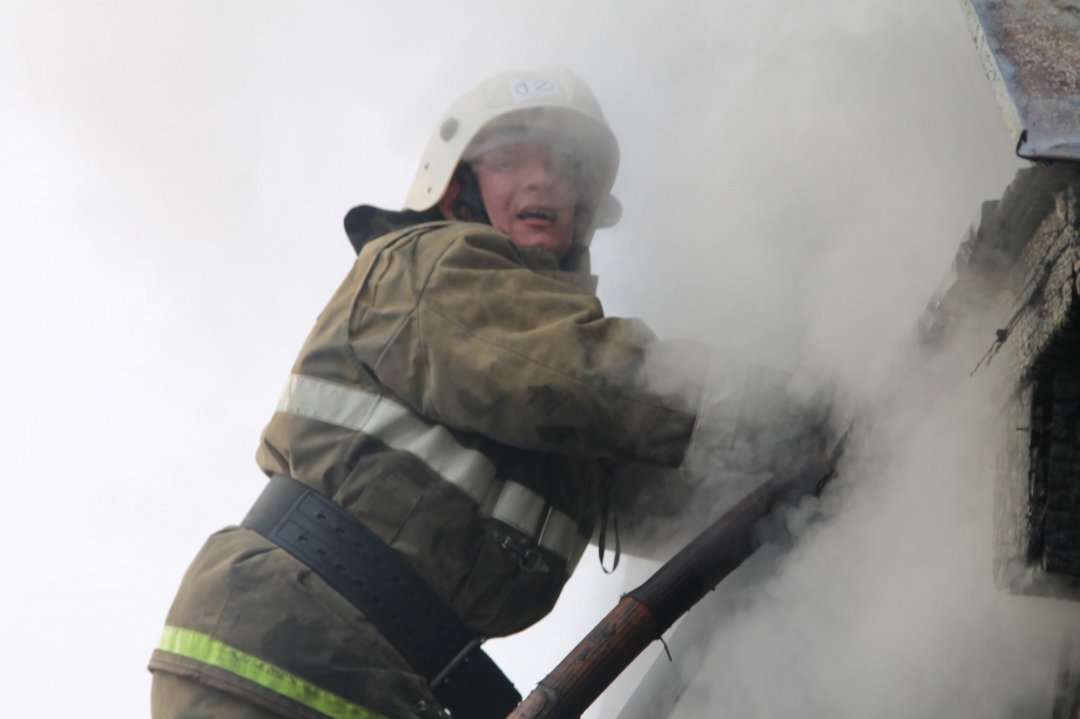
(552, 106)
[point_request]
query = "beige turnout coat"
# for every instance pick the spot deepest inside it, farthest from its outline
(457, 396)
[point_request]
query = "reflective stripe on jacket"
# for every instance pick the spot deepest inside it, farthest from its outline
(182, 649)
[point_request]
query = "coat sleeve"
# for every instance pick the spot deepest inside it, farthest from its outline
(496, 348)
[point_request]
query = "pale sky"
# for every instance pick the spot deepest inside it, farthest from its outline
(173, 177)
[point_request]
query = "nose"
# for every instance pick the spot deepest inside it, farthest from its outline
(539, 172)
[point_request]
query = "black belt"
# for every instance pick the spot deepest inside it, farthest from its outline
(382, 585)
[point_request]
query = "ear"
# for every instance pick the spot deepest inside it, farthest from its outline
(446, 204)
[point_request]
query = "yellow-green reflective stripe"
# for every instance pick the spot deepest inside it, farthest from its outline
(206, 649)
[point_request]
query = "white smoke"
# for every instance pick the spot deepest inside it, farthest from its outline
(888, 607)
(172, 180)
(816, 200)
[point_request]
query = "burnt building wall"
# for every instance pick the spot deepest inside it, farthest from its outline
(1019, 267)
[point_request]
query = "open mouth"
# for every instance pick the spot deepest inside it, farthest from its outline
(537, 213)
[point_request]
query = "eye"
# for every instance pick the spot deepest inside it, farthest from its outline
(503, 159)
(564, 165)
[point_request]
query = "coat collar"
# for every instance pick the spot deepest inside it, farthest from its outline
(364, 223)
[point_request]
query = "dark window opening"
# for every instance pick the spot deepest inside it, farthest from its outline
(1054, 538)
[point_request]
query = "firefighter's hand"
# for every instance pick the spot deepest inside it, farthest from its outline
(783, 427)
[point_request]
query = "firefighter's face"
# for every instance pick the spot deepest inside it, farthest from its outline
(529, 192)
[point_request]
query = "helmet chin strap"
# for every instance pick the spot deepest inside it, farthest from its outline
(469, 203)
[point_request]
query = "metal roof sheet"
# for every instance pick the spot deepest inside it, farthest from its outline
(1031, 52)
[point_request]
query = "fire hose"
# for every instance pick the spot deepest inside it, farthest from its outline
(645, 613)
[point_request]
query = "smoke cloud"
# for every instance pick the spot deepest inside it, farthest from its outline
(818, 198)
(795, 179)
(885, 604)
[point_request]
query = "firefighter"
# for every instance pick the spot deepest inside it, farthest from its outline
(436, 455)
